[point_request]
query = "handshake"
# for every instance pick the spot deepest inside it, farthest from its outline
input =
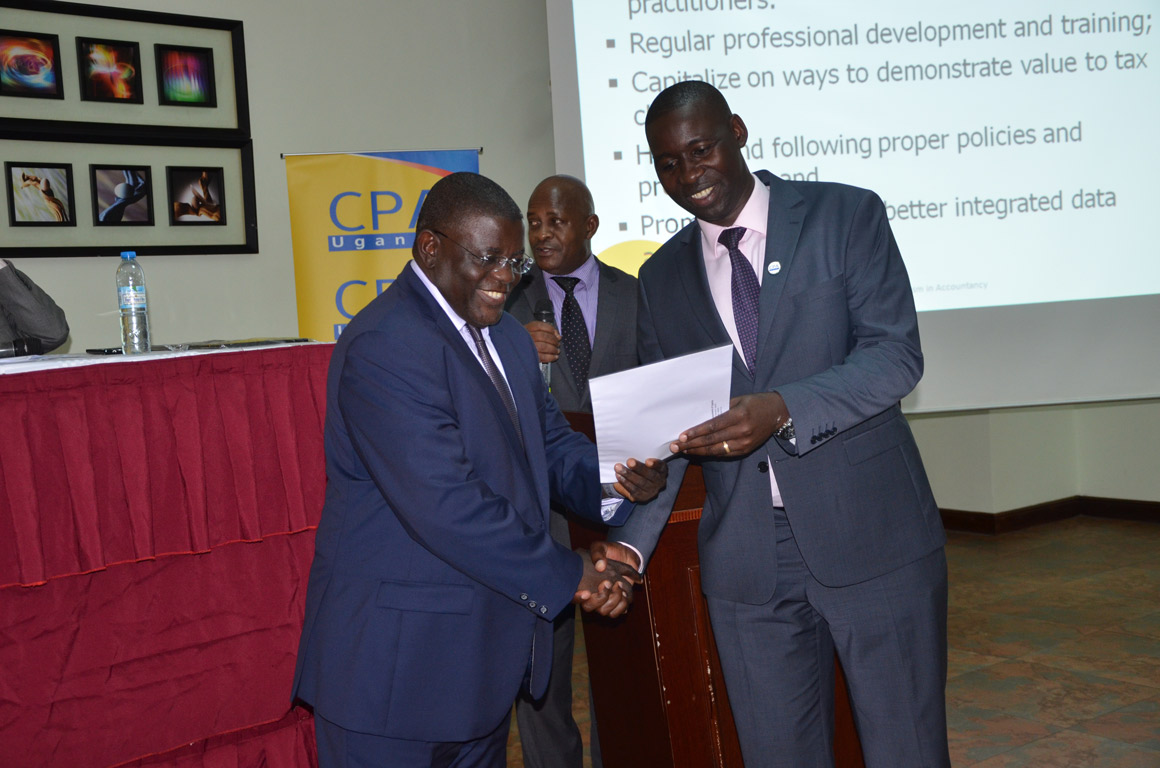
(606, 586)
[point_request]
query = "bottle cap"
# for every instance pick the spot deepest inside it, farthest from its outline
(128, 254)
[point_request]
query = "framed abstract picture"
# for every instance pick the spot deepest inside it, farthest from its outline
(30, 65)
(137, 73)
(110, 70)
(185, 76)
(150, 110)
(122, 195)
(196, 195)
(40, 194)
(160, 199)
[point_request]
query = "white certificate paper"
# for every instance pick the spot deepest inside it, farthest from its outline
(640, 411)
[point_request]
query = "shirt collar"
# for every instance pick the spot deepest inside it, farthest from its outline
(754, 216)
(452, 315)
(587, 273)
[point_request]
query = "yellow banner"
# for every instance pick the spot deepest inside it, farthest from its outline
(352, 221)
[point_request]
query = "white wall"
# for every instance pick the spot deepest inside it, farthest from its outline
(1118, 452)
(334, 75)
(375, 75)
(994, 461)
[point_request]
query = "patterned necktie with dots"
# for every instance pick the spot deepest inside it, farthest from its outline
(497, 378)
(746, 295)
(575, 333)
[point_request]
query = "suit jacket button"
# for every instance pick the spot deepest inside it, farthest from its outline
(532, 604)
(543, 609)
(523, 597)
(763, 467)
(813, 439)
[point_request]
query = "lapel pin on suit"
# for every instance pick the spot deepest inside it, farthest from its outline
(774, 267)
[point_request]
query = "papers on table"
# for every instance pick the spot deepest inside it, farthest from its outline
(640, 411)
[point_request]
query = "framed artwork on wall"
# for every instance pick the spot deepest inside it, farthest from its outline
(161, 63)
(185, 76)
(153, 199)
(30, 65)
(40, 194)
(122, 195)
(196, 196)
(158, 115)
(110, 70)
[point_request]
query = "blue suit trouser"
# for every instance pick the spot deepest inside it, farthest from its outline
(342, 748)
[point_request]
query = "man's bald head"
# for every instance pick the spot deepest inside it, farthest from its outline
(568, 186)
(561, 223)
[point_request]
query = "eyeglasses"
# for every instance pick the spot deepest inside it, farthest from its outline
(519, 264)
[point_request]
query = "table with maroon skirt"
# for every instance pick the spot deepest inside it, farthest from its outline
(157, 521)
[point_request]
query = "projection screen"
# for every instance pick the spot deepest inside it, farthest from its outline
(1014, 144)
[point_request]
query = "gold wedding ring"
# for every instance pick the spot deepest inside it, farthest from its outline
(725, 445)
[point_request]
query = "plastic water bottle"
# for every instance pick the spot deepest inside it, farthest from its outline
(134, 305)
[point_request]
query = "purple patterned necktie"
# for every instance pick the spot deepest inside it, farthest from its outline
(497, 378)
(746, 294)
(574, 333)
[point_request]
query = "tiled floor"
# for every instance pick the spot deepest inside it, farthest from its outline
(1054, 636)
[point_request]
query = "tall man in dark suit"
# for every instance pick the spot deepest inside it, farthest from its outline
(435, 581)
(819, 529)
(594, 304)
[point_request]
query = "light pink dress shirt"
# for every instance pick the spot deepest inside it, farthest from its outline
(755, 218)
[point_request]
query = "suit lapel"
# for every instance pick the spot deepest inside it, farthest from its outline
(693, 278)
(608, 316)
(460, 349)
(535, 289)
(784, 227)
(692, 275)
(611, 316)
(532, 450)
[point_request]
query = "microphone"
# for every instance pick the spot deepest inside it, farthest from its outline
(20, 347)
(545, 314)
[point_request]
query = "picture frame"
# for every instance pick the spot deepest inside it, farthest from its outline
(30, 65)
(122, 195)
(109, 70)
(196, 196)
(234, 233)
(132, 134)
(40, 194)
(185, 76)
(212, 49)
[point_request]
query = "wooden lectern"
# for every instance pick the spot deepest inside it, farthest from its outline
(657, 689)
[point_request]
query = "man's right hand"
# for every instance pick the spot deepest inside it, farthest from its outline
(613, 553)
(547, 340)
(607, 591)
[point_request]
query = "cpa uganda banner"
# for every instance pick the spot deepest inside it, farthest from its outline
(352, 221)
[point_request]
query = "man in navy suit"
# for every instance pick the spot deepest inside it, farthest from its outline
(561, 222)
(435, 580)
(819, 530)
